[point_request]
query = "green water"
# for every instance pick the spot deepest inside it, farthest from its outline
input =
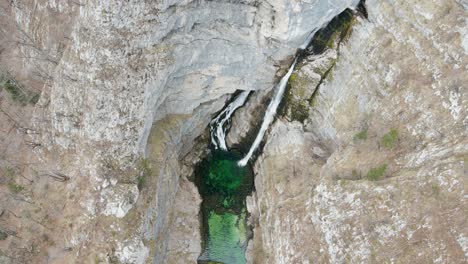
(224, 186)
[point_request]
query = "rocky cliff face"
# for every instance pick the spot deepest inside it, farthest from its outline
(114, 71)
(376, 171)
(372, 169)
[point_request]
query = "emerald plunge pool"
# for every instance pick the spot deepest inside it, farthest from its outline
(224, 186)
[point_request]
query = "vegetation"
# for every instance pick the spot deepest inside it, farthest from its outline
(337, 30)
(9, 174)
(292, 78)
(17, 92)
(294, 106)
(3, 235)
(388, 140)
(376, 174)
(361, 135)
(15, 188)
(145, 171)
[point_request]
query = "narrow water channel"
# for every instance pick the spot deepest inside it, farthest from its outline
(224, 186)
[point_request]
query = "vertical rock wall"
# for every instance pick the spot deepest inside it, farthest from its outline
(377, 170)
(113, 70)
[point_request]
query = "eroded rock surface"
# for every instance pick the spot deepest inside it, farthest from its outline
(113, 71)
(377, 171)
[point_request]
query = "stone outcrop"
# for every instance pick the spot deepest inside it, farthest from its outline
(376, 172)
(114, 71)
(372, 169)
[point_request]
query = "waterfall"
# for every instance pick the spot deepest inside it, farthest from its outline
(217, 125)
(269, 115)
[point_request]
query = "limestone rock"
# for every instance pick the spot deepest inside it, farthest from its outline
(185, 242)
(378, 172)
(119, 199)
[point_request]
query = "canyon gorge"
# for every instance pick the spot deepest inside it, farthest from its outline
(122, 124)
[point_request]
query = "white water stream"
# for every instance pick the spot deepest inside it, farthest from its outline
(269, 114)
(217, 125)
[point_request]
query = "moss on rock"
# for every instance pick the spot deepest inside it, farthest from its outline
(389, 140)
(17, 92)
(337, 30)
(376, 174)
(296, 106)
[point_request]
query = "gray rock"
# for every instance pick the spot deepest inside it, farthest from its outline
(341, 188)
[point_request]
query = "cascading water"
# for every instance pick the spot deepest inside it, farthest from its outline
(224, 187)
(269, 114)
(224, 178)
(224, 183)
(218, 125)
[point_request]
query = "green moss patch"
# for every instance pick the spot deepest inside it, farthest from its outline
(361, 135)
(15, 188)
(17, 92)
(389, 140)
(295, 105)
(376, 174)
(337, 30)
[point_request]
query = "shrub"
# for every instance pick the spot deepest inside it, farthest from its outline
(388, 140)
(375, 174)
(361, 135)
(15, 188)
(18, 93)
(3, 236)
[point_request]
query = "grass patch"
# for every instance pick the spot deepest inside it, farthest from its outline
(389, 140)
(376, 174)
(292, 78)
(17, 92)
(145, 171)
(361, 135)
(15, 188)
